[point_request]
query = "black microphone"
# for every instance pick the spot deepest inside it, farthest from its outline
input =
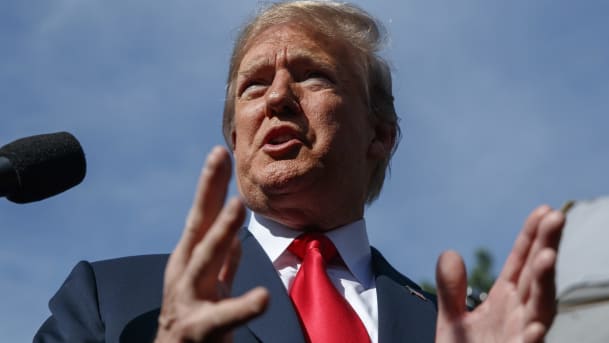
(37, 167)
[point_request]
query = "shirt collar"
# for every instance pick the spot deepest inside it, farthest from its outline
(351, 242)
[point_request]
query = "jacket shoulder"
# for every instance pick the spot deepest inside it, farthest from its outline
(98, 300)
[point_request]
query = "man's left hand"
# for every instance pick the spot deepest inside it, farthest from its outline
(521, 305)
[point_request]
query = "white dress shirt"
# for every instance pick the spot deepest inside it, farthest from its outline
(355, 281)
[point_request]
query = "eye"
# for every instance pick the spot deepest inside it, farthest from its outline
(316, 74)
(317, 79)
(253, 88)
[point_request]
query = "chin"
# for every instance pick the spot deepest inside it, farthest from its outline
(287, 177)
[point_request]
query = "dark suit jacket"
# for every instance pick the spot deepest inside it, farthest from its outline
(119, 300)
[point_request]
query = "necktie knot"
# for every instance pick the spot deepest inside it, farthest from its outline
(325, 315)
(307, 242)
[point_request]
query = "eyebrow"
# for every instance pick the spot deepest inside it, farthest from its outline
(304, 56)
(255, 65)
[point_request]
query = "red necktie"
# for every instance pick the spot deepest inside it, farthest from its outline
(326, 316)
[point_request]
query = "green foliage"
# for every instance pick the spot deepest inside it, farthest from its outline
(481, 276)
(428, 287)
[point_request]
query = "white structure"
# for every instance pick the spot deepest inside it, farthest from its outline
(583, 276)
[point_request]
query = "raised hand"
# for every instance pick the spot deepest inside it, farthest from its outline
(200, 270)
(521, 305)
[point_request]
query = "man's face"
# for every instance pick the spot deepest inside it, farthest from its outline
(303, 134)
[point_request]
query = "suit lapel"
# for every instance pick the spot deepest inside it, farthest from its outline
(279, 323)
(405, 312)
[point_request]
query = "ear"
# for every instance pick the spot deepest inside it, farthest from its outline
(382, 142)
(233, 139)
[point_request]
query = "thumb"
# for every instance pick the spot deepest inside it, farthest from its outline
(452, 283)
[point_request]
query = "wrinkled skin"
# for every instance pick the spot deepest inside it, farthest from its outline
(304, 150)
(305, 143)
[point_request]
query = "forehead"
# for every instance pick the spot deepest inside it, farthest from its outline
(292, 42)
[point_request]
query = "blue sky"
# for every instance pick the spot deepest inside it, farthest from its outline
(503, 105)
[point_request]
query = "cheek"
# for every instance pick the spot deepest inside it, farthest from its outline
(347, 126)
(323, 111)
(248, 119)
(337, 122)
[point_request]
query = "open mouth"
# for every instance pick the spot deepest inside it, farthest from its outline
(281, 141)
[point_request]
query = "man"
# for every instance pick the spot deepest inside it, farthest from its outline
(310, 120)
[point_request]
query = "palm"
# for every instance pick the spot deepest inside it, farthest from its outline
(521, 305)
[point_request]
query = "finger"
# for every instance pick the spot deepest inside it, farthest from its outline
(214, 321)
(522, 245)
(542, 304)
(208, 201)
(548, 237)
(210, 194)
(209, 255)
(534, 333)
(231, 263)
(452, 285)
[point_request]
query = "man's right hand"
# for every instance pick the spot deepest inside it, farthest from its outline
(200, 270)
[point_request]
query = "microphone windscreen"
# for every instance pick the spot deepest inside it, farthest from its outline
(45, 165)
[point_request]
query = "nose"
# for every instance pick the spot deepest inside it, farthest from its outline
(280, 98)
